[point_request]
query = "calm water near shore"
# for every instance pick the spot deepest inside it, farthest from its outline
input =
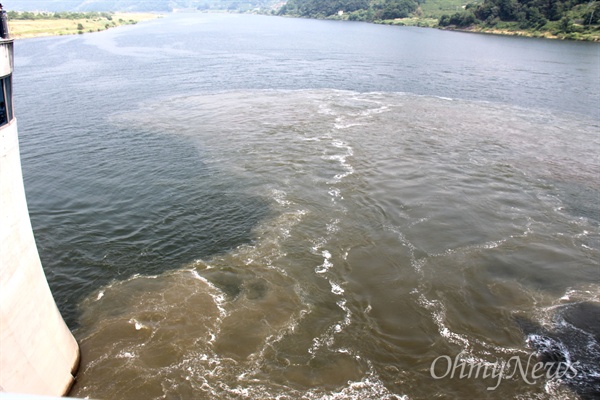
(237, 206)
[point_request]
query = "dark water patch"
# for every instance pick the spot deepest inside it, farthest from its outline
(570, 347)
(584, 316)
(133, 213)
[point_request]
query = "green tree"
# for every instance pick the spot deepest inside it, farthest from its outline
(592, 14)
(396, 9)
(459, 19)
(566, 25)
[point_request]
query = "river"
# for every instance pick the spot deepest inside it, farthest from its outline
(239, 206)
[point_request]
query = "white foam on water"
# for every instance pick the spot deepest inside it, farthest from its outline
(335, 194)
(339, 177)
(370, 387)
(336, 289)
(586, 293)
(217, 295)
(492, 244)
(438, 312)
(333, 226)
(341, 125)
(317, 245)
(138, 325)
(204, 265)
(418, 221)
(342, 159)
(280, 197)
(556, 390)
(348, 314)
(545, 310)
(321, 269)
(327, 339)
(126, 354)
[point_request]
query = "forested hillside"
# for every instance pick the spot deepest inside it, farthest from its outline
(573, 19)
(362, 10)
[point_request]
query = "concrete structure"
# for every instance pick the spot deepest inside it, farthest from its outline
(38, 353)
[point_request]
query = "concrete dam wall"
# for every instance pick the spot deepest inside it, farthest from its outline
(38, 353)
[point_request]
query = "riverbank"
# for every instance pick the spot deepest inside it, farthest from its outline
(586, 36)
(20, 29)
(509, 31)
(579, 22)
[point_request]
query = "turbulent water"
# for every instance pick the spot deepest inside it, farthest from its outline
(312, 239)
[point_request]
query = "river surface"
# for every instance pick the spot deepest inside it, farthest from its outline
(252, 207)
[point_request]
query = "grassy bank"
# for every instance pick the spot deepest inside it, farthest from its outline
(507, 29)
(55, 27)
(514, 30)
(410, 21)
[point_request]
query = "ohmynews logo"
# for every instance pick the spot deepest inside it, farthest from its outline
(529, 372)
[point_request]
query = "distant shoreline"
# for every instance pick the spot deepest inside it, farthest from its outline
(423, 22)
(24, 29)
(428, 22)
(520, 33)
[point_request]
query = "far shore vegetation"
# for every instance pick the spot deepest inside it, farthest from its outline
(33, 24)
(557, 19)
